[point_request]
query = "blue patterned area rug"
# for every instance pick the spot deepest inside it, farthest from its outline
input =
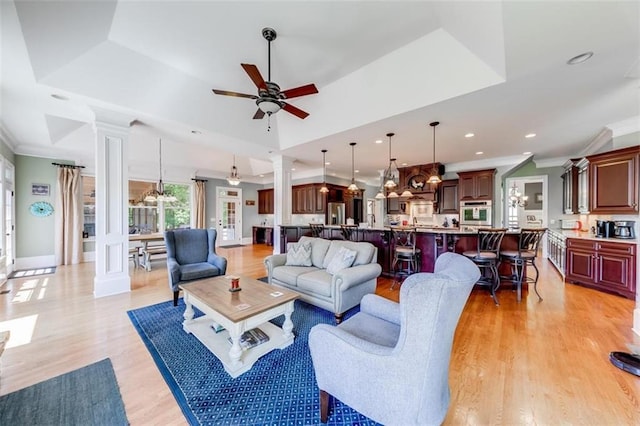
(280, 388)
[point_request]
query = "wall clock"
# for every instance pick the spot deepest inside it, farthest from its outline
(41, 209)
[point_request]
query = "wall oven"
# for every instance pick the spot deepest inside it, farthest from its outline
(475, 213)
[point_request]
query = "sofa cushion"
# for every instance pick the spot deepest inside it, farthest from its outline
(319, 248)
(289, 274)
(299, 254)
(196, 271)
(316, 282)
(364, 251)
(342, 260)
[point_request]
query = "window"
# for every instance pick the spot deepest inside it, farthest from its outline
(89, 206)
(148, 215)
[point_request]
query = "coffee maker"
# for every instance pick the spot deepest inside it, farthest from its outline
(624, 229)
(605, 228)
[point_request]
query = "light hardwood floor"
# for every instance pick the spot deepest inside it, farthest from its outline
(532, 362)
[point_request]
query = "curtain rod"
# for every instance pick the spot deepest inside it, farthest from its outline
(70, 166)
(200, 180)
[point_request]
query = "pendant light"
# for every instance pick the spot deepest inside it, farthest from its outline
(233, 178)
(434, 178)
(380, 195)
(353, 187)
(323, 188)
(392, 171)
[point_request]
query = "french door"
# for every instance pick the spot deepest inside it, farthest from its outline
(229, 212)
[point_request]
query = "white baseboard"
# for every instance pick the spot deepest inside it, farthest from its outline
(34, 262)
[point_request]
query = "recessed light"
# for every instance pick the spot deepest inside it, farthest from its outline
(403, 164)
(378, 141)
(356, 171)
(530, 135)
(293, 169)
(196, 132)
(327, 163)
(479, 152)
(469, 135)
(261, 175)
(526, 153)
(59, 97)
(580, 58)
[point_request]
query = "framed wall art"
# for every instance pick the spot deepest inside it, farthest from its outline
(40, 189)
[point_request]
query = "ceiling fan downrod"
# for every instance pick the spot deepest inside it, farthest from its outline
(269, 34)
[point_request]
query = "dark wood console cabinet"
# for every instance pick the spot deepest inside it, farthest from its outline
(608, 266)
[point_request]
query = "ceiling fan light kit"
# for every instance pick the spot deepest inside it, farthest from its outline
(270, 98)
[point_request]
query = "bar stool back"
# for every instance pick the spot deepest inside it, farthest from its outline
(406, 256)
(317, 230)
(528, 244)
(487, 258)
(348, 231)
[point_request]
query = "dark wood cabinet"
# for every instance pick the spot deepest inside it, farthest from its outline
(448, 199)
(570, 187)
(476, 185)
(307, 199)
(396, 206)
(265, 201)
(613, 181)
(608, 266)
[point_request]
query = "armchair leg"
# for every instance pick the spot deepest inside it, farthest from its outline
(175, 298)
(339, 318)
(324, 406)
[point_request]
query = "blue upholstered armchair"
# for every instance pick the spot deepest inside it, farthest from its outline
(390, 361)
(191, 255)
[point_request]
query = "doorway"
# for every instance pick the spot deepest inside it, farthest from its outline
(229, 213)
(530, 213)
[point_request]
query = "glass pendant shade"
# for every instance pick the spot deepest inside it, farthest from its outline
(380, 195)
(392, 194)
(392, 171)
(406, 194)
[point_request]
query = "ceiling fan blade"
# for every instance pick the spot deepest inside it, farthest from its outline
(236, 94)
(258, 115)
(295, 111)
(255, 76)
(309, 89)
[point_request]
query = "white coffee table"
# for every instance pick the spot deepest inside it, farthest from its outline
(237, 312)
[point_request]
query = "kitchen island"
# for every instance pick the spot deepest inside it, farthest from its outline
(431, 241)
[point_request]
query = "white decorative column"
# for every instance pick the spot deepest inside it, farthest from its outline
(281, 196)
(112, 186)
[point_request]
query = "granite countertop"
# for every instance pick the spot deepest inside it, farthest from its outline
(586, 235)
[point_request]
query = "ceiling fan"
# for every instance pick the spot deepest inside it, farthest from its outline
(270, 98)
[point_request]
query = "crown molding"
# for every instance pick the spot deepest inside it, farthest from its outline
(624, 127)
(598, 142)
(7, 138)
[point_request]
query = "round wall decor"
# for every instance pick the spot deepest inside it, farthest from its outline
(41, 209)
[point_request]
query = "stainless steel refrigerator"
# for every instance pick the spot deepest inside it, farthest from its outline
(335, 213)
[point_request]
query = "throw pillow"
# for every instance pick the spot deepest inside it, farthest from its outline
(342, 260)
(299, 254)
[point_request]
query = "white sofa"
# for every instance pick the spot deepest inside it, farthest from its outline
(338, 292)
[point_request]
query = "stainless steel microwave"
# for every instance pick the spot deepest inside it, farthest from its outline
(475, 213)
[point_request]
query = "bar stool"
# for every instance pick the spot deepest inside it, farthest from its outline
(487, 258)
(317, 230)
(406, 256)
(528, 244)
(348, 231)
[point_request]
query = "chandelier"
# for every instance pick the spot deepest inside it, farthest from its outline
(158, 193)
(233, 178)
(516, 198)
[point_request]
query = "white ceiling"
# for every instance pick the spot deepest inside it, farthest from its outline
(497, 69)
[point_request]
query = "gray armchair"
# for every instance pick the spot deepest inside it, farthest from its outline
(191, 255)
(390, 361)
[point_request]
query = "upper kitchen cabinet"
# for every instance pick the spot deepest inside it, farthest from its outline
(307, 199)
(570, 187)
(265, 201)
(449, 197)
(613, 181)
(414, 178)
(583, 186)
(476, 185)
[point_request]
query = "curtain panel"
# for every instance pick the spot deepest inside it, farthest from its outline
(201, 220)
(69, 217)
